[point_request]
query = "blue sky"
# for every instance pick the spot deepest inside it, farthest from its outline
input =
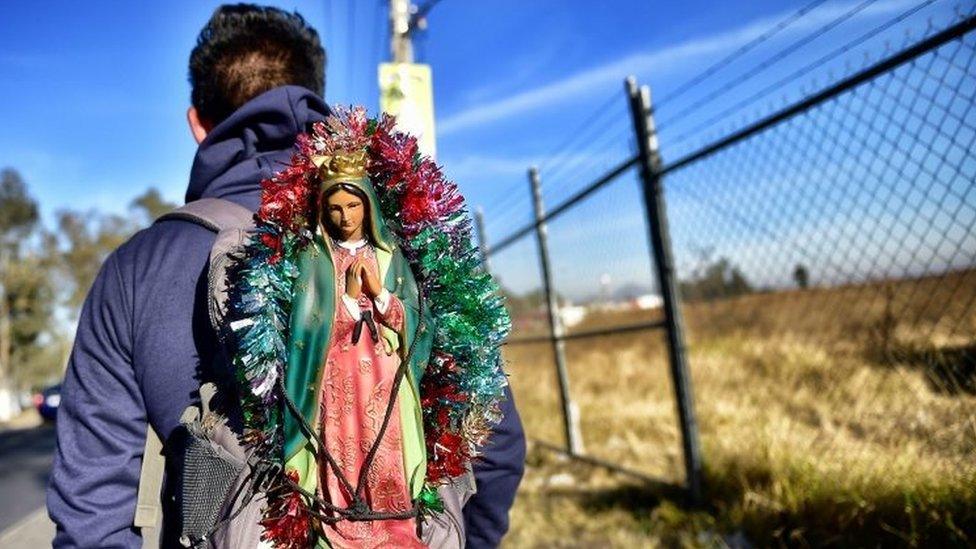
(93, 99)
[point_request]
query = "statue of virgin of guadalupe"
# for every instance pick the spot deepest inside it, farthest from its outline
(355, 313)
(360, 424)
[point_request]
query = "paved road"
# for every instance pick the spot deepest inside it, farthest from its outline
(25, 462)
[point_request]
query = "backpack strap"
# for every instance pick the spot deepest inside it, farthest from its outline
(148, 513)
(218, 215)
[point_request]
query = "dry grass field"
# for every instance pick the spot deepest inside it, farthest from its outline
(828, 417)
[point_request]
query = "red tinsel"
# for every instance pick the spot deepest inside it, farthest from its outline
(306, 148)
(428, 198)
(391, 154)
(436, 393)
(416, 207)
(273, 242)
(446, 456)
(446, 450)
(288, 524)
(285, 199)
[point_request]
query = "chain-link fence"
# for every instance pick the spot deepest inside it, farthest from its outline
(825, 261)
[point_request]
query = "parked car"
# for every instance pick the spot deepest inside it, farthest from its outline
(48, 401)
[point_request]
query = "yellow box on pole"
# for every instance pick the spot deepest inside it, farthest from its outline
(406, 92)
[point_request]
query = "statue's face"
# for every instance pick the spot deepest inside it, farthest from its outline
(346, 211)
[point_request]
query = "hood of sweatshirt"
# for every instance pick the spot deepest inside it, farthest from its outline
(252, 144)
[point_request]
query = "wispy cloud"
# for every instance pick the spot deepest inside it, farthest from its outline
(478, 166)
(609, 74)
(520, 70)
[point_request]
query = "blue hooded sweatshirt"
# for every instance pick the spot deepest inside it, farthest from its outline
(144, 338)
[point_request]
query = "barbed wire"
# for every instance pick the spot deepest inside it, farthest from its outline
(806, 69)
(764, 65)
(742, 50)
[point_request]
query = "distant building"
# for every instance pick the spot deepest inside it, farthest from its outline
(648, 301)
(571, 315)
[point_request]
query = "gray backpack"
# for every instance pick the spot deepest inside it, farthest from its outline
(216, 503)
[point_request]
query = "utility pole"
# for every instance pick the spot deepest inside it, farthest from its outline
(401, 43)
(406, 87)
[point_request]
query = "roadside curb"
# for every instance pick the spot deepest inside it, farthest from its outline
(28, 419)
(34, 530)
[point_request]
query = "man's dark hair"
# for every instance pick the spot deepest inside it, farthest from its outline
(246, 50)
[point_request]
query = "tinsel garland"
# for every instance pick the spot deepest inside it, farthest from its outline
(463, 383)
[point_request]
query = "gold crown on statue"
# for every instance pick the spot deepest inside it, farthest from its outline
(341, 166)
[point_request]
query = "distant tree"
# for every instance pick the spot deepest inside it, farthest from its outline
(26, 291)
(30, 299)
(713, 280)
(40, 269)
(86, 239)
(152, 204)
(801, 276)
(18, 211)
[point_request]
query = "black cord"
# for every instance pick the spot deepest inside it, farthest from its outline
(359, 509)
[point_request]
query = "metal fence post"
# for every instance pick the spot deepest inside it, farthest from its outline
(574, 440)
(650, 166)
(479, 226)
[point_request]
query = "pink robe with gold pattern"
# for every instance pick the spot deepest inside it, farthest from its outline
(356, 387)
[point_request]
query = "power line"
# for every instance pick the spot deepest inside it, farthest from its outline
(805, 70)
(513, 194)
(509, 200)
(775, 58)
(573, 174)
(588, 131)
(565, 148)
(680, 90)
(508, 194)
(561, 200)
(423, 10)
